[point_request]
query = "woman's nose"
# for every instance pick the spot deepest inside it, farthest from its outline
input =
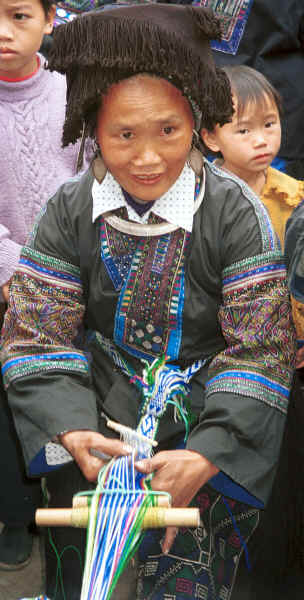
(147, 155)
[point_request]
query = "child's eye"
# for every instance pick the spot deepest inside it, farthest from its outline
(269, 124)
(127, 135)
(243, 131)
(20, 16)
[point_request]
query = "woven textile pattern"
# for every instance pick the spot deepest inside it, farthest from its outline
(150, 274)
(256, 324)
(209, 570)
(233, 15)
(52, 287)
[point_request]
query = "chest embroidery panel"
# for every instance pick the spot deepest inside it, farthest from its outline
(149, 273)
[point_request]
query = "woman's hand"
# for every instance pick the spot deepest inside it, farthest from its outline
(79, 444)
(181, 473)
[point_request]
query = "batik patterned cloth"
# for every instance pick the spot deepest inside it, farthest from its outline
(201, 565)
(244, 318)
(150, 274)
(59, 282)
(233, 15)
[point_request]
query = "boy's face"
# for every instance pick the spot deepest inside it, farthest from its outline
(22, 26)
(251, 141)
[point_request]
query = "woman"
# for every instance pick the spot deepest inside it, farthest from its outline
(156, 254)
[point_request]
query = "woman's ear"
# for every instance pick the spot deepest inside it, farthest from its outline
(49, 24)
(209, 139)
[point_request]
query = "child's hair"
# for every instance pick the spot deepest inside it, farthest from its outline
(46, 5)
(249, 85)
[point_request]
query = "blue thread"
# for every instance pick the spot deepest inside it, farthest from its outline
(244, 545)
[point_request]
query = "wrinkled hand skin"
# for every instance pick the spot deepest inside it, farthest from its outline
(181, 473)
(79, 443)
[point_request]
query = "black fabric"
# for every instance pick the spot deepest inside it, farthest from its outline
(61, 486)
(273, 43)
(277, 549)
(56, 401)
(19, 496)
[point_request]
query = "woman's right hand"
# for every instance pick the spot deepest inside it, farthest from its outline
(79, 444)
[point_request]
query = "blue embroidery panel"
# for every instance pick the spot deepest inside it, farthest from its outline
(233, 15)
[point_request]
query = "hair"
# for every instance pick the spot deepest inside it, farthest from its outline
(96, 53)
(46, 5)
(249, 85)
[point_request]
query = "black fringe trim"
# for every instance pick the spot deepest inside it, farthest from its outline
(111, 50)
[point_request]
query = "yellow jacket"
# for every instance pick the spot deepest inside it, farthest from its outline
(281, 194)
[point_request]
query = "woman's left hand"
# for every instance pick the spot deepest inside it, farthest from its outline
(181, 473)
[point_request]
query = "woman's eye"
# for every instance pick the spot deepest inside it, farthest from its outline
(167, 130)
(269, 124)
(127, 135)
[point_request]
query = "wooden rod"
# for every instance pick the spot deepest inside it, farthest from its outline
(155, 517)
(124, 429)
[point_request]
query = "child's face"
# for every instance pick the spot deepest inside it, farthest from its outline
(22, 26)
(251, 141)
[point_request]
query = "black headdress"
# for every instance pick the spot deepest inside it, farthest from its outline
(170, 41)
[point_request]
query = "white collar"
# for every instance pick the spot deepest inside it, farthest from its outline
(175, 206)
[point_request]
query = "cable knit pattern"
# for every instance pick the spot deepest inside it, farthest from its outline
(32, 162)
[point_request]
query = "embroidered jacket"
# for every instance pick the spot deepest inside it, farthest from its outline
(217, 294)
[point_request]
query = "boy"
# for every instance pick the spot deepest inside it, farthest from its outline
(250, 142)
(32, 166)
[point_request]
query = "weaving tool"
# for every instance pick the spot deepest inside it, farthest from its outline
(123, 504)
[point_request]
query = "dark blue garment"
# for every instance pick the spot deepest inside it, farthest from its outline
(139, 208)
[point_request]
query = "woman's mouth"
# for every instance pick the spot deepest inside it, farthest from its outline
(148, 179)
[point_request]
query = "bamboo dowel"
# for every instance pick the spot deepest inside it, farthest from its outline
(165, 517)
(124, 429)
(79, 501)
(155, 517)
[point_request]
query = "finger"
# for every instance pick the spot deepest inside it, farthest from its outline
(101, 455)
(157, 461)
(113, 447)
(145, 466)
(170, 535)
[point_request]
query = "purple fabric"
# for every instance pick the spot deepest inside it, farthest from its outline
(32, 162)
(139, 208)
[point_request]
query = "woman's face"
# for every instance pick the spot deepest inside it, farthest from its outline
(144, 129)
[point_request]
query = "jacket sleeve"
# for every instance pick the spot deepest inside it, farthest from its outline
(247, 391)
(294, 250)
(44, 366)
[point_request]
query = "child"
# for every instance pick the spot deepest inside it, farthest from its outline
(32, 166)
(250, 142)
(158, 255)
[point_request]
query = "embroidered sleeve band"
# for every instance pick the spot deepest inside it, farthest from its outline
(48, 310)
(256, 323)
